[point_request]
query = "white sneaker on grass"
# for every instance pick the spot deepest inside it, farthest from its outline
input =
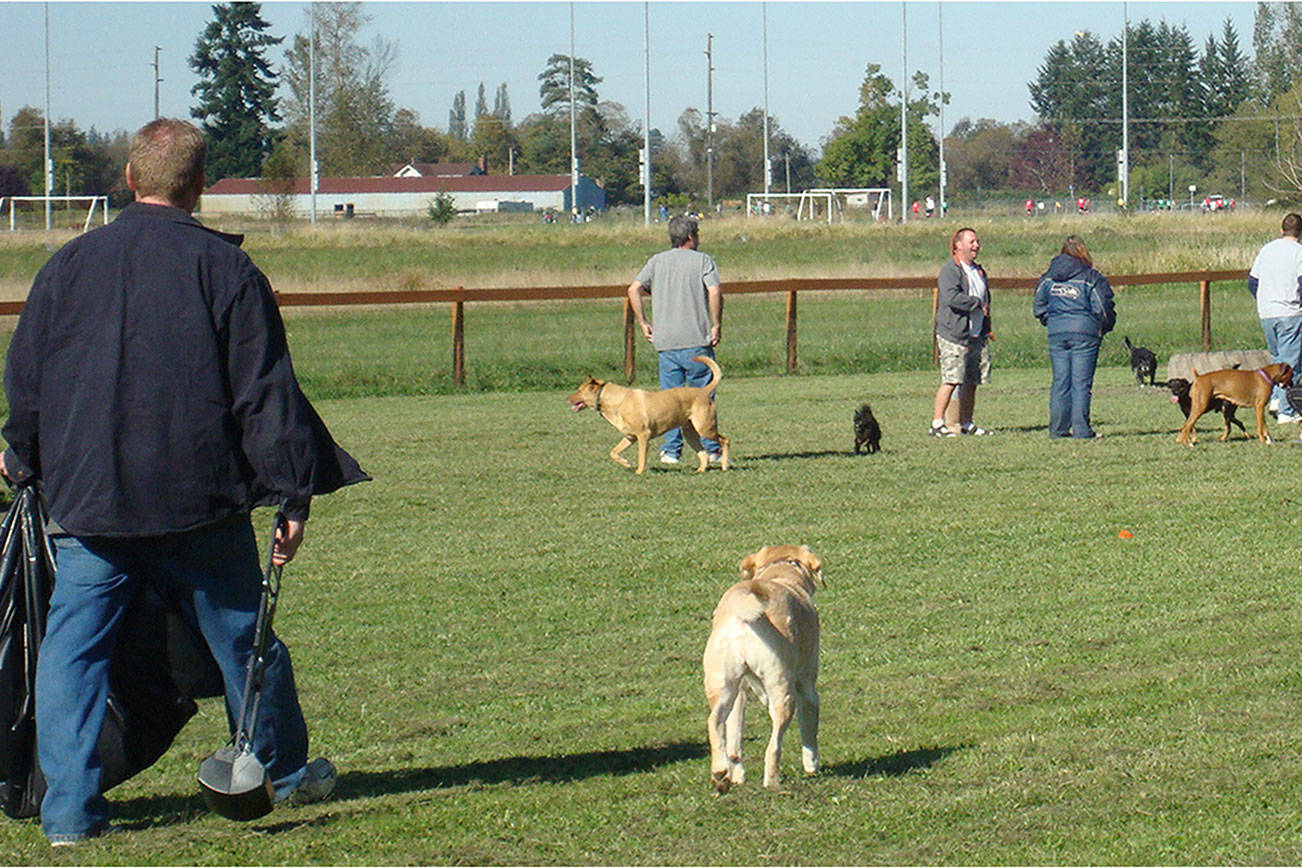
(319, 779)
(666, 458)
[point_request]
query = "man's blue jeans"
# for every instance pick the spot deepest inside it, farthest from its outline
(1284, 340)
(678, 369)
(1073, 358)
(215, 573)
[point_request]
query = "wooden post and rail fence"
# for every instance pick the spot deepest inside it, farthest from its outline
(459, 296)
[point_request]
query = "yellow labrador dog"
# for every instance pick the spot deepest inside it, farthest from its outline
(765, 637)
(640, 415)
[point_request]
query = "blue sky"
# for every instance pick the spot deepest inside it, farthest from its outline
(101, 54)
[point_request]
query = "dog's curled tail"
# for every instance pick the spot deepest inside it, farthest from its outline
(714, 369)
(752, 605)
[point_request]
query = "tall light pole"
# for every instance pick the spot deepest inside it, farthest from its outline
(904, 109)
(709, 120)
(574, 146)
(157, 80)
(48, 165)
(1125, 108)
(314, 172)
(940, 42)
(646, 113)
(768, 167)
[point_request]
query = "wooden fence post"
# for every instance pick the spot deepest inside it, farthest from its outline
(1205, 306)
(792, 363)
(458, 343)
(630, 343)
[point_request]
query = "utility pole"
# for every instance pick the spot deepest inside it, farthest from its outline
(709, 120)
(157, 80)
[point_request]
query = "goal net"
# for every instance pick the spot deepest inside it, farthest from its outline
(823, 203)
(32, 208)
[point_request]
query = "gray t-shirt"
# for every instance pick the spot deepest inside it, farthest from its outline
(680, 306)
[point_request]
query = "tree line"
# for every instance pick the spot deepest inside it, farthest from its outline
(1198, 115)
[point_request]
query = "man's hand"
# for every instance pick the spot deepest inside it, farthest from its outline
(716, 332)
(4, 468)
(646, 329)
(289, 536)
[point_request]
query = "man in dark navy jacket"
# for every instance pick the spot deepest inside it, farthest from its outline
(151, 392)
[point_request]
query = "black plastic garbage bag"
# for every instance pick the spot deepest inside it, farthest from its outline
(159, 668)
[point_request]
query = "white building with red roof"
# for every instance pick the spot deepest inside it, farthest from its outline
(406, 195)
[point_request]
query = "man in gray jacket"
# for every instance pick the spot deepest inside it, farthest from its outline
(962, 333)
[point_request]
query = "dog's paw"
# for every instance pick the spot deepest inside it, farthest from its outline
(722, 783)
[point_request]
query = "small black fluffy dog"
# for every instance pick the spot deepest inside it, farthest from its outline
(867, 433)
(1180, 395)
(1143, 362)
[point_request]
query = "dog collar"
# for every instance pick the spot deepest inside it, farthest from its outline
(1265, 376)
(599, 388)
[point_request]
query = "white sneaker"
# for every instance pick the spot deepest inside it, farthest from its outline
(319, 779)
(1273, 406)
(666, 458)
(1288, 418)
(716, 457)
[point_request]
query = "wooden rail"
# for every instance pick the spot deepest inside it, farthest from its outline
(458, 296)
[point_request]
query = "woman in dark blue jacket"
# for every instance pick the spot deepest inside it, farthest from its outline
(1075, 302)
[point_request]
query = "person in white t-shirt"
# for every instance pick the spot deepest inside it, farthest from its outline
(1275, 281)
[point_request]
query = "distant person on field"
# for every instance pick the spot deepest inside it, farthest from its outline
(963, 333)
(151, 392)
(687, 303)
(1275, 280)
(1074, 301)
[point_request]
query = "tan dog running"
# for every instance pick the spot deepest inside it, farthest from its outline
(765, 637)
(1244, 388)
(640, 415)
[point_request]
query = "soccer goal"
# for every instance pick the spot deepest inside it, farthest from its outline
(810, 205)
(873, 199)
(24, 203)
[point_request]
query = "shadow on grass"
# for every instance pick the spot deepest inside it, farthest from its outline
(518, 770)
(896, 764)
(159, 811)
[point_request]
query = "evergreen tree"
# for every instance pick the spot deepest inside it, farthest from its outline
(481, 102)
(555, 88)
(236, 91)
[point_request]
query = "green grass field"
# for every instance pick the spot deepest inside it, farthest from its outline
(498, 641)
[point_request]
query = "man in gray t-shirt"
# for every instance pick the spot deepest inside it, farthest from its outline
(688, 302)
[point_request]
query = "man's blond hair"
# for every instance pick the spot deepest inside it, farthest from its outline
(167, 158)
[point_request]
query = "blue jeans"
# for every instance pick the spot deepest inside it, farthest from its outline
(217, 577)
(1073, 358)
(1284, 340)
(678, 369)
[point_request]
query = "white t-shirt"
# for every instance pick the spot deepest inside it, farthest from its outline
(976, 285)
(1277, 268)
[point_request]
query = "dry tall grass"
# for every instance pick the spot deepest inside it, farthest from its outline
(396, 255)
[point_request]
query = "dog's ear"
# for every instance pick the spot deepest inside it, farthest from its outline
(814, 564)
(747, 567)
